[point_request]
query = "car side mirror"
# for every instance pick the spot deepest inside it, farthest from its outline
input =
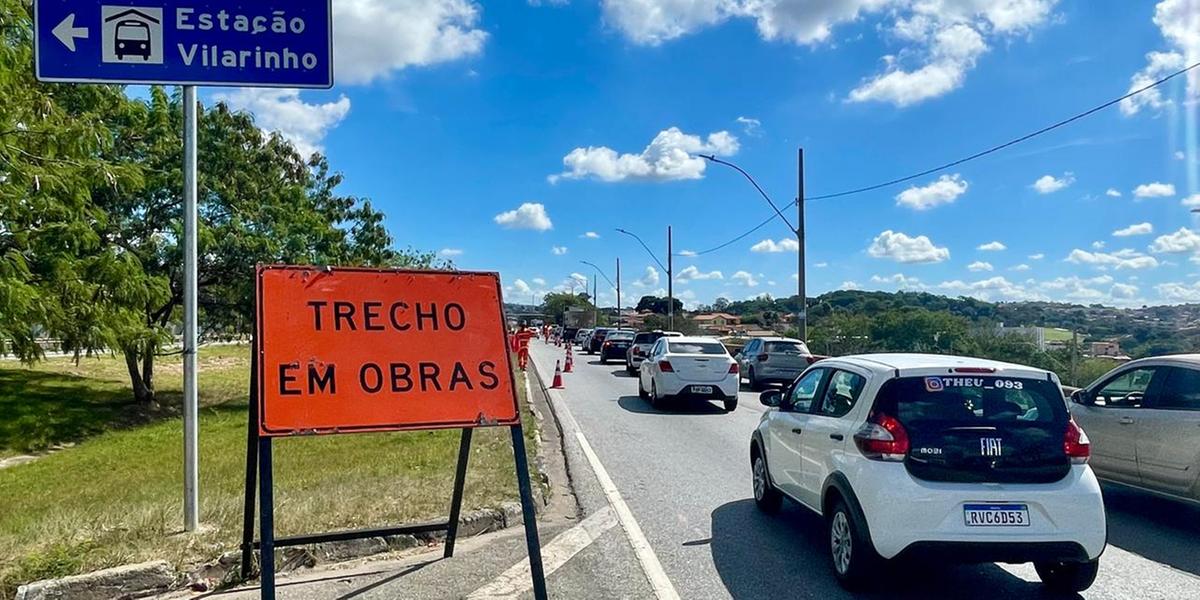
(1080, 397)
(771, 398)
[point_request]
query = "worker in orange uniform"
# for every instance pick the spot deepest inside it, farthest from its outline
(523, 336)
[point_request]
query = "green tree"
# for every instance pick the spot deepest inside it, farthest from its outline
(658, 304)
(557, 303)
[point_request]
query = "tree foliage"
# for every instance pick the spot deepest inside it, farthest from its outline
(90, 214)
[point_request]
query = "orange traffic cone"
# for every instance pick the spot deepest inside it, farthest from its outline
(570, 362)
(558, 382)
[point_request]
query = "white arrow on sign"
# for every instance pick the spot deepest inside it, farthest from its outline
(66, 32)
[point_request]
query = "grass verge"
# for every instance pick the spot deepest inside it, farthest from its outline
(115, 497)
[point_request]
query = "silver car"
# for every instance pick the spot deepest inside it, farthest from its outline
(1143, 419)
(773, 360)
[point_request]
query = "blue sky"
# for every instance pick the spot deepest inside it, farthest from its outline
(503, 133)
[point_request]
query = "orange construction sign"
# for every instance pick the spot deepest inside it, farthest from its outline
(346, 350)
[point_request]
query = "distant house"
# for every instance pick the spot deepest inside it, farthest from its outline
(717, 322)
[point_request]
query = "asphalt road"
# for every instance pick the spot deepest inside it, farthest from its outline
(684, 475)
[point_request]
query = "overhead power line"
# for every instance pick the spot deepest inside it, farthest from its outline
(955, 163)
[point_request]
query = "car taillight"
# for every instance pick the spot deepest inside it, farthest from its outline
(761, 357)
(665, 367)
(606, 344)
(733, 368)
(882, 437)
(972, 370)
(1076, 443)
(637, 351)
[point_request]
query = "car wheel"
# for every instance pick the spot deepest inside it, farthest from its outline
(630, 370)
(754, 384)
(1067, 577)
(655, 400)
(641, 390)
(854, 560)
(730, 404)
(603, 360)
(766, 497)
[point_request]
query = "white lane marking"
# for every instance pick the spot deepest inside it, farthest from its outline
(516, 580)
(655, 574)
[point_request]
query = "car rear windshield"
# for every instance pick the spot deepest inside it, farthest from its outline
(696, 348)
(784, 348)
(619, 335)
(951, 422)
(647, 337)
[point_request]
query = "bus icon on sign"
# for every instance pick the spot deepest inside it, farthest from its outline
(132, 34)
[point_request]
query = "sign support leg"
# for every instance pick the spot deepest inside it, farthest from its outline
(460, 476)
(191, 460)
(266, 524)
(251, 471)
(528, 514)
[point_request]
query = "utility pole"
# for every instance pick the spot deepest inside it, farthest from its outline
(618, 293)
(670, 283)
(595, 304)
(191, 436)
(802, 314)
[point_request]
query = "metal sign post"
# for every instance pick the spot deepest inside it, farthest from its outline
(274, 43)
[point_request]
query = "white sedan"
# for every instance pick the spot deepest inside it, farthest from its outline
(698, 367)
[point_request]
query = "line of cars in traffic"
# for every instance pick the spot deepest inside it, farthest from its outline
(957, 458)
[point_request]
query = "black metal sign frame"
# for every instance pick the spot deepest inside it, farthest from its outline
(259, 470)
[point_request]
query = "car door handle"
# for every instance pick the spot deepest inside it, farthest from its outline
(836, 436)
(796, 430)
(1126, 421)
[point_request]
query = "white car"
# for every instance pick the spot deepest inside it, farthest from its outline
(696, 367)
(964, 459)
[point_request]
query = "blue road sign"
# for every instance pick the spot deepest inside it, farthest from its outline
(269, 43)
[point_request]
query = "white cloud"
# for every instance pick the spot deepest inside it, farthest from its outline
(692, 273)
(558, 250)
(579, 278)
(1179, 23)
(941, 39)
(591, 235)
(1179, 155)
(900, 280)
(282, 110)
(1121, 259)
(783, 245)
(520, 287)
(687, 253)
(821, 265)
(1179, 292)
(1097, 245)
(1192, 201)
(530, 215)
(979, 265)
(745, 279)
(1077, 288)
(1020, 267)
(945, 190)
(991, 289)
(750, 126)
(993, 246)
(1038, 256)
(450, 252)
(850, 285)
(1183, 241)
(1048, 184)
(538, 281)
(1123, 290)
(1112, 193)
(649, 279)
(375, 38)
(1135, 229)
(1154, 190)
(670, 156)
(902, 248)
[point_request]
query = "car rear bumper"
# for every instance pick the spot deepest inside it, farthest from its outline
(1065, 517)
(1001, 552)
(780, 374)
(672, 385)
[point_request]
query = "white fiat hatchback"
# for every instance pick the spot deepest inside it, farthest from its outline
(962, 459)
(690, 367)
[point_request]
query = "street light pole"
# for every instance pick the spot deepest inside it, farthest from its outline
(670, 284)
(595, 304)
(191, 435)
(617, 286)
(618, 292)
(802, 314)
(668, 268)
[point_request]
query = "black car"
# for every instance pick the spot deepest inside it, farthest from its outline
(593, 342)
(615, 345)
